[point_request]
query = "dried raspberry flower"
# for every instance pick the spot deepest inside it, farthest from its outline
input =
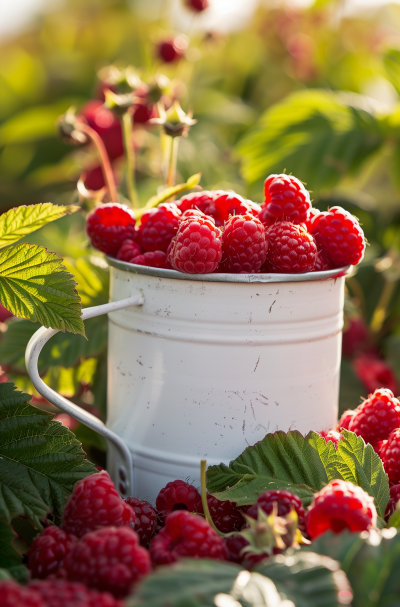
(285, 500)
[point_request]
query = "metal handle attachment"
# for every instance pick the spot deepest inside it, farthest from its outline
(35, 346)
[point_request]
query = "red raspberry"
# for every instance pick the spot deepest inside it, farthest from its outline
(197, 247)
(62, 593)
(172, 49)
(235, 545)
(390, 456)
(159, 226)
(286, 502)
(355, 337)
(225, 515)
(322, 262)
(108, 126)
(393, 499)
(156, 259)
(291, 248)
(339, 506)
(313, 213)
(344, 421)
(194, 214)
(376, 417)
(286, 199)
(244, 244)
(109, 559)
(196, 200)
(331, 435)
(95, 503)
(339, 234)
(106, 226)
(14, 595)
(197, 5)
(4, 313)
(178, 495)
(94, 178)
(129, 249)
(48, 551)
(186, 535)
(146, 519)
(374, 373)
(219, 205)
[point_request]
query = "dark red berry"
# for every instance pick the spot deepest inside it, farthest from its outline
(286, 199)
(244, 244)
(155, 259)
(62, 593)
(376, 417)
(197, 5)
(172, 49)
(374, 373)
(225, 515)
(158, 226)
(48, 551)
(178, 495)
(291, 248)
(390, 456)
(146, 519)
(107, 225)
(129, 249)
(14, 595)
(285, 501)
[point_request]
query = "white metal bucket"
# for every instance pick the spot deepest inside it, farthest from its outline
(203, 366)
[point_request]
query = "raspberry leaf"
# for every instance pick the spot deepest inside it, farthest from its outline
(10, 562)
(35, 285)
(41, 460)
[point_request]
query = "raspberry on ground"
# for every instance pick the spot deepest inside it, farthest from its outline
(197, 247)
(331, 435)
(244, 244)
(291, 248)
(344, 421)
(95, 503)
(106, 226)
(390, 456)
(376, 417)
(62, 593)
(158, 227)
(339, 234)
(186, 535)
(286, 502)
(178, 495)
(374, 373)
(146, 519)
(393, 499)
(225, 515)
(109, 559)
(48, 551)
(128, 250)
(286, 199)
(14, 595)
(339, 506)
(155, 259)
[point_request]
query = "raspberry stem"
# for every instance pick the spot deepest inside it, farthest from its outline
(203, 491)
(173, 159)
(127, 131)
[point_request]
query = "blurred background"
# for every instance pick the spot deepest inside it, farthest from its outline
(310, 87)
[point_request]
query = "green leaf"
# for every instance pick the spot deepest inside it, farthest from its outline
(168, 193)
(317, 135)
(35, 285)
(10, 562)
(20, 221)
(391, 62)
(41, 460)
(307, 579)
(394, 520)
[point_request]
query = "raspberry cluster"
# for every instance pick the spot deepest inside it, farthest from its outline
(220, 231)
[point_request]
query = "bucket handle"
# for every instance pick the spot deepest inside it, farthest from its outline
(35, 346)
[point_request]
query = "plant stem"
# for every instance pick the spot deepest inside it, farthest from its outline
(104, 159)
(380, 312)
(203, 483)
(172, 162)
(127, 131)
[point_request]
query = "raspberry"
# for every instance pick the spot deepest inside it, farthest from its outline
(172, 49)
(178, 495)
(390, 456)
(128, 250)
(376, 417)
(156, 259)
(374, 373)
(291, 248)
(286, 199)
(393, 499)
(95, 503)
(61, 593)
(355, 337)
(14, 595)
(109, 559)
(244, 244)
(186, 535)
(286, 502)
(219, 205)
(225, 515)
(197, 5)
(146, 519)
(313, 213)
(344, 421)
(108, 126)
(322, 262)
(159, 226)
(380, 447)
(331, 435)
(193, 214)
(48, 551)
(339, 234)
(197, 247)
(106, 226)
(339, 506)
(196, 200)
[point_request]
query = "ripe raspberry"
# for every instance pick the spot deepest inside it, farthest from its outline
(48, 551)
(355, 337)
(108, 126)
(380, 447)
(146, 519)
(339, 234)
(158, 227)
(194, 214)
(374, 373)
(244, 244)
(291, 248)
(286, 502)
(61, 593)
(156, 259)
(393, 499)
(178, 495)
(197, 5)
(235, 545)
(186, 535)
(106, 227)
(109, 559)
(339, 506)
(225, 515)
(322, 262)
(128, 250)
(286, 199)
(95, 503)
(344, 421)
(14, 595)
(313, 213)
(196, 200)
(376, 417)
(331, 435)
(219, 205)
(197, 247)
(172, 49)
(390, 456)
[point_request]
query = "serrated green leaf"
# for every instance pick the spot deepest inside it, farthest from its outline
(35, 285)
(168, 193)
(41, 459)
(20, 221)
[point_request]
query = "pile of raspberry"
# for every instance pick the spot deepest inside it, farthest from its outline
(220, 231)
